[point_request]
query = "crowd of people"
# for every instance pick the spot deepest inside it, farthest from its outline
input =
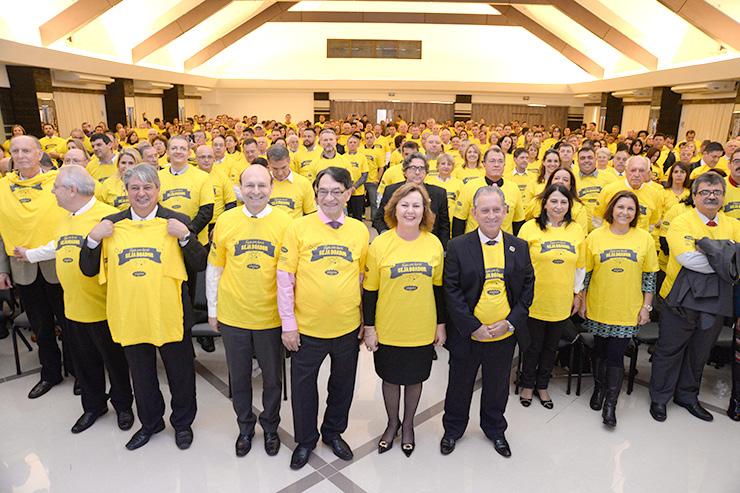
(488, 236)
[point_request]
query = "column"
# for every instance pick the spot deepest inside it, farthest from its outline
(119, 103)
(32, 97)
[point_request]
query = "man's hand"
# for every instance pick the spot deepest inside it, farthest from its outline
(177, 229)
(19, 253)
(104, 229)
(498, 329)
(582, 308)
(213, 322)
(5, 282)
(291, 340)
(371, 338)
(441, 335)
(481, 334)
(577, 301)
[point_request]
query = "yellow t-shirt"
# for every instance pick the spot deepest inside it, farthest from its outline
(704, 168)
(521, 180)
(358, 166)
(186, 193)
(294, 196)
(732, 200)
(327, 264)
(589, 188)
(556, 253)
(224, 166)
(493, 305)
(304, 158)
(665, 223)
(102, 172)
(113, 193)
(533, 189)
(669, 199)
(392, 175)
(452, 186)
(404, 273)
(375, 161)
(84, 297)
(144, 270)
(223, 193)
(236, 164)
(650, 202)
(53, 144)
(617, 262)
(248, 248)
(465, 174)
(683, 234)
(321, 163)
(578, 213)
(464, 207)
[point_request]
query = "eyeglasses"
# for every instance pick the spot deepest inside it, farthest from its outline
(735, 161)
(709, 193)
(336, 193)
(416, 169)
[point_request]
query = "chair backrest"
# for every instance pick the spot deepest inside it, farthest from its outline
(200, 292)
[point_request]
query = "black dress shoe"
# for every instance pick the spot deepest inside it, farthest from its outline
(447, 446)
(77, 389)
(300, 457)
(86, 421)
(184, 438)
(4, 331)
(243, 445)
(272, 443)
(340, 448)
(207, 343)
(733, 411)
(658, 411)
(696, 410)
(142, 437)
(125, 419)
(40, 389)
(502, 446)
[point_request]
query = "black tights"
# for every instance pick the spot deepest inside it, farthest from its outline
(392, 399)
(611, 350)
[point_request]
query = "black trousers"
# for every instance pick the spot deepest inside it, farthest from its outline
(356, 206)
(42, 302)
(304, 373)
(494, 359)
(682, 351)
(180, 368)
(93, 351)
(241, 345)
(736, 364)
(539, 358)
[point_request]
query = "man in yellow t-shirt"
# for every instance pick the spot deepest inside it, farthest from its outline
(103, 164)
(291, 192)
(732, 193)
(52, 144)
(329, 155)
(143, 254)
(320, 268)
(590, 181)
(375, 155)
(242, 263)
(359, 172)
(689, 326)
(309, 151)
(711, 160)
(223, 193)
(489, 286)
(91, 346)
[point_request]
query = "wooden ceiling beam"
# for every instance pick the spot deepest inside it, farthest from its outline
(708, 19)
(74, 17)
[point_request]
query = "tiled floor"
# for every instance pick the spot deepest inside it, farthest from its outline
(563, 450)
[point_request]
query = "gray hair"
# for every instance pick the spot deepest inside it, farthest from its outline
(415, 155)
(144, 172)
(493, 149)
(178, 137)
(710, 178)
(488, 190)
(633, 159)
(74, 176)
(277, 153)
(33, 138)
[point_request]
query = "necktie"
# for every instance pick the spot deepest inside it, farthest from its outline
(335, 224)
(254, 217)
(491, 242)
(711, 223)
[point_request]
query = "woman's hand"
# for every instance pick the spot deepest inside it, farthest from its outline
(582, 309)
(441, 336)
(577, 302)
(643, 317)
(371, 338)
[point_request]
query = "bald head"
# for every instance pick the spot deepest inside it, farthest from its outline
(256, 187)
(75, 157)
(205, 157)
(26, 153)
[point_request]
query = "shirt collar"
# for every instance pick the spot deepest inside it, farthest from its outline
(112, 159)
(326, 220)
(484, 239)
(594, 173)
(706, 219)
(179, 172)
(136, 217)
(86, 207)
(260, 214)
(516, 173)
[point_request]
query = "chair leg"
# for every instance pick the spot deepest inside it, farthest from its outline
(19, 331)
(580, 368)
(518, 373)
(285, 383)
(570, 367)
(14, 330)
(229, 385)
(633, 368)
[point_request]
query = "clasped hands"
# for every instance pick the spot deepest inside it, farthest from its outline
(492, 331)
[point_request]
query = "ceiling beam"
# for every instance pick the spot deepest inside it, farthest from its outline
(394, 18)
(74, 17)
(516, 16)
(177, 28)
(251, 24)
(708, 19)
(607, 32)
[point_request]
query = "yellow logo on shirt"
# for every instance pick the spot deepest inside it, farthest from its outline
(14, 187)
(282, 202)
(70, 240)
(323, 251)
(144, 253)
(557, 245)
(494, 274)
(176, 192)
(732, 206)
(120, 200)
(618, 253)
(403, 268)
(589, 190)
(261, 246)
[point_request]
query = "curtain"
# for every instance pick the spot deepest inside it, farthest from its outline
(192, 107)
(591, 114)
(710, 121)
(151, 105)
(635, 117)
(505, 113)
(73, 108)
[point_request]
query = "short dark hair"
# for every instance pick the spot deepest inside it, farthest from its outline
(340, 175)
(519, 151)
(102, 137)
(248, 142)
(685, 168)
(261, 161)
(609, 214)
(710, 179)
(277, 153)
(714, 147)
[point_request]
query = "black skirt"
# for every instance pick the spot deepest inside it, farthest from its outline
(403, 365)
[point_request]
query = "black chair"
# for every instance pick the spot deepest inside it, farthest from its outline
(585, 343)
(18, 324)
(562, 344)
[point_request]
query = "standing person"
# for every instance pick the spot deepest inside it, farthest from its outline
(112, 191)
(556, 247)
(618, 254)
(223, 192)
(92, 348)
(688, 330)
(291, 192)
(550, 163)
(146, 252)
(29, 217)
(243, 261)
(320, 267)
(358, 170)
(403, 307)
(489, 284)
(375, 155)
(444, 179)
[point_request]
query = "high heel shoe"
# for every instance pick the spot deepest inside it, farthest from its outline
(547, 404)
(384, 446)
(408, 448)
(524, 401)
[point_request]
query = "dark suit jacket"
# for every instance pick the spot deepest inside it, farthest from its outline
(439, 206)
(464, 276)
(194, 254)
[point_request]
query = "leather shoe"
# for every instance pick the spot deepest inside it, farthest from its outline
(696, 410)
(125, 419)
(243, 445)
(272, 443)
(300, 457)
(658, 411)
(40, 389)
(733, 411)
(502, 446)
(77, 389)
(86, 421)
(184, 438)
(340, 448)
(207, 344)
(142, 437)
(447, 446)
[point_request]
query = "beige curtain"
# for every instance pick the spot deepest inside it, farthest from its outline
(591, 114)
(151, 105)
(73, 108)
(710, 121)
(635, 117)
(192, 107)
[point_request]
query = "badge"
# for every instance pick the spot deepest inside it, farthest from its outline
(512, 249)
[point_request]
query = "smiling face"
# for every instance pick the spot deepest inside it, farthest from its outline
(142, 196)
(624, 211)
(561, 177)
(125, 161)
(331, 196)
(490, 211)
(26, 155)
(410, 210)
(556, 206)
(256, 186)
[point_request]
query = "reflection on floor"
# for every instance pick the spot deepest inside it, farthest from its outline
(563, 450)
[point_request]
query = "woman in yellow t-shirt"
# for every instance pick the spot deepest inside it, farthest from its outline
(621, 263)
(550, 162)
(112, 191)
(677, 187)
(472, 167)
(444, 179)
(533, 161)
(402, 307)
(556, 247)
(565, 177)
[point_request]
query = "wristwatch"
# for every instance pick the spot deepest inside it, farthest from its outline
(648, 307)
(511, 327)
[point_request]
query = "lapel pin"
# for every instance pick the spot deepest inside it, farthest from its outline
(512, 249)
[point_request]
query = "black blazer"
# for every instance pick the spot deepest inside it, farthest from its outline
(464, 276)
(438, 197)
